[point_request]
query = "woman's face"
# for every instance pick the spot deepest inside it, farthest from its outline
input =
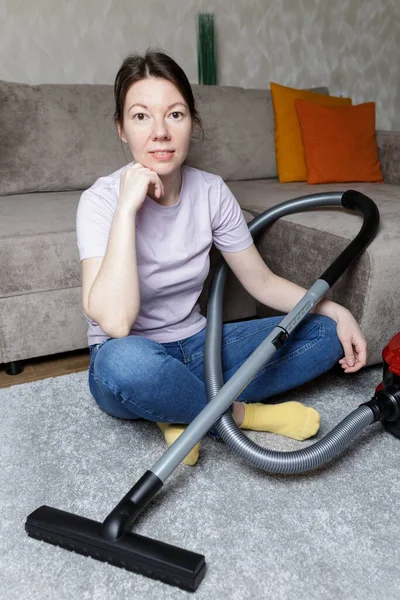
(156, 117)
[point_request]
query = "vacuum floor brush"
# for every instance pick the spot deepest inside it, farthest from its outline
(112, 540)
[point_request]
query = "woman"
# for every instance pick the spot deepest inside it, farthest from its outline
(144, 235)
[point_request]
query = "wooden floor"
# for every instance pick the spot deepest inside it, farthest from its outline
(47, 366)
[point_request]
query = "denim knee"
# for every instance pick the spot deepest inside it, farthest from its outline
(121, 361)
(120, 372)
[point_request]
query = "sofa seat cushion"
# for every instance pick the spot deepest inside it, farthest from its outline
(38, 242)
(38, 246)
(301, 246)
(258, 195)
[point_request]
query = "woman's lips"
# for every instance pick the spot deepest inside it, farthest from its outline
(163, 156)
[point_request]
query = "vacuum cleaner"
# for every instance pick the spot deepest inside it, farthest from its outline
(112, 540)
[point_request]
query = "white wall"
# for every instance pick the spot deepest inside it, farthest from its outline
(350, 45)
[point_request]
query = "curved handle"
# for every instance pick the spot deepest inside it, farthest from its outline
(356, 201)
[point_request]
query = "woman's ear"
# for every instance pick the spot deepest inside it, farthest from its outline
(121, 133)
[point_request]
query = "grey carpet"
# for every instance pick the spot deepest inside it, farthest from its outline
(329, 534)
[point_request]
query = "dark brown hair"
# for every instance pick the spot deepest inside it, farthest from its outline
(154, 63)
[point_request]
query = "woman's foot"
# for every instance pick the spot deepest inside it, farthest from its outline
(291, 419)
(171, 433)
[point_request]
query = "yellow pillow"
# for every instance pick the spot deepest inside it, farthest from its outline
(290, 160)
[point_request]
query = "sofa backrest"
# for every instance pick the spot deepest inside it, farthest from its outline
(62, 136)
(239, 130)
(57, 136)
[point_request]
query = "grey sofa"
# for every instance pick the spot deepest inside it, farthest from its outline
(56, 140)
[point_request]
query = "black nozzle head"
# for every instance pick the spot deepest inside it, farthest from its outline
(136, 553)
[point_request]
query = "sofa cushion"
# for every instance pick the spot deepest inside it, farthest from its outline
(38, 246)
(257, 196)
(57, 136)
(339, 142)
(38, 243)
(301, 246)
(290, 160)
(65, 138)
(238, 128)
(40, 278)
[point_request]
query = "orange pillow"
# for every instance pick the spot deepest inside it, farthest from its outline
(339, 142)
(290, 161)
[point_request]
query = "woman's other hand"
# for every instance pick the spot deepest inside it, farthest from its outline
(353, 342)
(349, 333)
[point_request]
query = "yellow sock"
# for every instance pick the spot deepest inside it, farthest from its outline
(291, 419)
(171, 432)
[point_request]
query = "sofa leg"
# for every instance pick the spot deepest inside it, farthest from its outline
(14, 368)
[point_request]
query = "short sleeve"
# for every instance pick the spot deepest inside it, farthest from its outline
(93, 223)
(229, 227)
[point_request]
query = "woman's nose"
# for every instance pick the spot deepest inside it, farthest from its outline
(160, 128)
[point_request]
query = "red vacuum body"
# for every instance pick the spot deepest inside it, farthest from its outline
(391, 379)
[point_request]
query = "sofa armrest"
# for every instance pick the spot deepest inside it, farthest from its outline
(389, 155)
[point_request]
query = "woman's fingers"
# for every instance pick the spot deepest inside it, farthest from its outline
(353, 342)
(158, 188)
(359, 354)
(348, 352)
(158, 185)
(361, 349)
(347, 369)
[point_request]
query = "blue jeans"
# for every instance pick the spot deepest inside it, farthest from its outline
(137, 378)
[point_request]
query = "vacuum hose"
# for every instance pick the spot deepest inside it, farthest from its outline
(334, 442)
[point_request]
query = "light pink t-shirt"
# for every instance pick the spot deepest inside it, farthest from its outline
(172, 247)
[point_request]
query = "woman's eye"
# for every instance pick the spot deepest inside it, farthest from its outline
(141, 116)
